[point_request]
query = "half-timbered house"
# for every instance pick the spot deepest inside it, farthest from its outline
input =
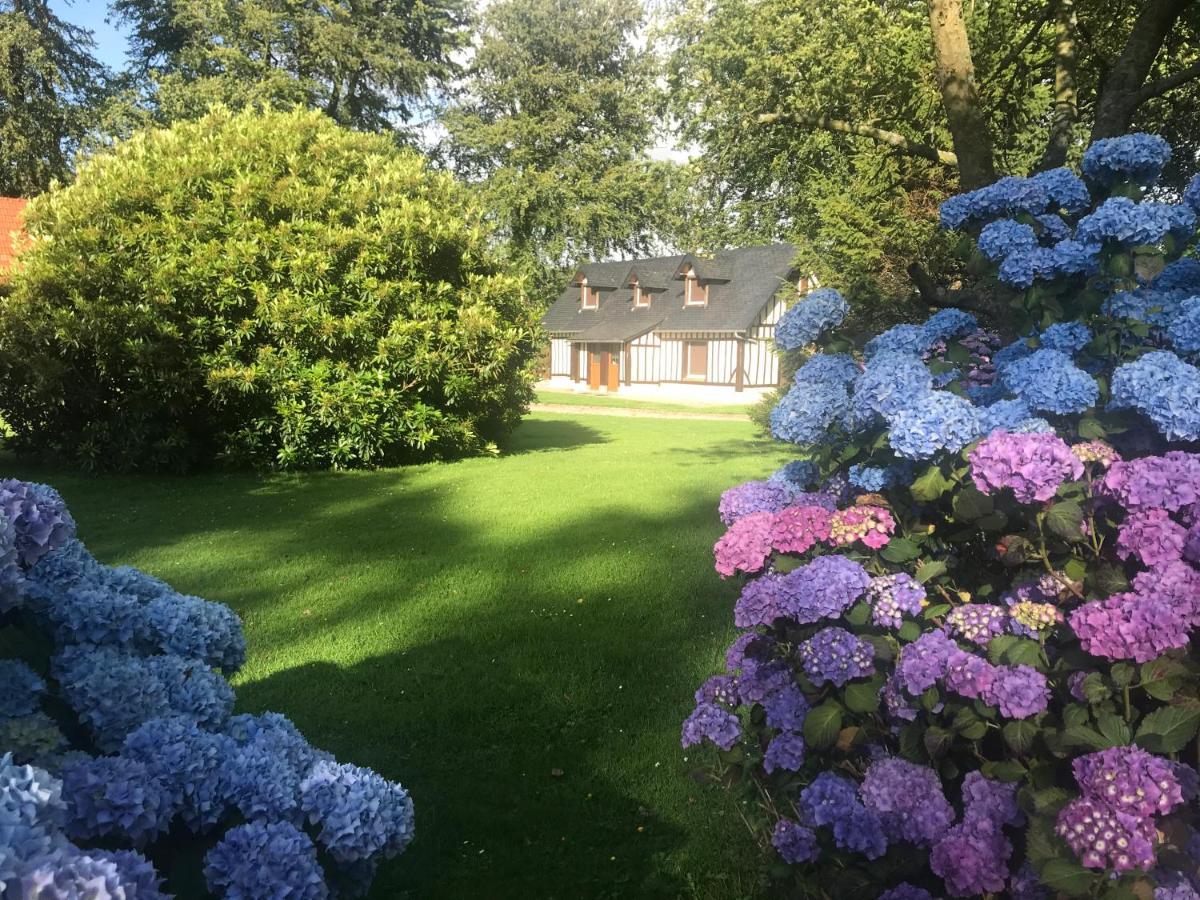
(673, 320)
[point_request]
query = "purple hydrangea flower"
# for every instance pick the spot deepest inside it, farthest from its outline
(1032, 465)
(823, 589)
(985, 798)
(1170, 481)
(718, 689)
(785, 751)
(1103, 838)
(835, 655)
(1152, 537)
(753, 497)
(969, 675)
(1018, 692)
(906, 891)
(891, 596)
(794, 842)
(924, 662)
(977, 622)
(1129, 780)
(908, 799)
(711, 722)
(972, 858)
(786, 707)
(1132, 625)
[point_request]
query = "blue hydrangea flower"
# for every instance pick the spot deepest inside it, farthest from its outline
(800, 472)
(907, 339)
(839, 368)
(67, 566)
(265, 859)
(937, 421)
(134, 583)
(1133, 157)
(1065, 190)
(136, 874)
(20, 688)
(1128, 223)
(810, 317)
(1053, 229)
(1149, 305)
(66, 873)
(193, 766)
(1181, 275)
(1005, 197)
(1184, 330)
(948, 323)
(109, 796)
(271, 761)
(1024, 265)
(837, 656)
(1069, 337)
(196, 629)
(360, 814)
(1006, 414)
(1072, 257)
(785, 752)
(1049, 381)
(87, 616)
(32, 813)
(1191, 194)
(1164, 389)
(891, 382)
(831, 801)
(878, 478)
(807, 411)
(39, 517)
(1000, 238)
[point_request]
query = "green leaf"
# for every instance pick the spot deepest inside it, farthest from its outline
(1019, 735)
(1105, 579)
(938, 609)
(1068, 877)
(1085, 736)
(1122, 674)
(969, 725)
(995, 521)
(1076, 714)
(822, 725)
(930, 570)
(1066, 520)
(909, 631)
(937, 741)
(1168, 730)
(998, 646)
(1114, 728)
(1050, 800)
(971, 504)
(1091, 429)
(859, 614)
(863, 696)
(930, 485)
(1075, 569)
(1005, 770)
(1025, 652)
(900, 550)
(1160, 677)
(1095, 689)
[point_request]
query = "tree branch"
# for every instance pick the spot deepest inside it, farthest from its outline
(1017, 50)
(933, 295)
(1169, 83)
(880, 135)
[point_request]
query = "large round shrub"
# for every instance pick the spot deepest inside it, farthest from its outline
(262, 288)
(967, 661)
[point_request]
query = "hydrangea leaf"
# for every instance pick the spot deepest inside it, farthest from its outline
(930, 484)
(1114, 728)
(900, 550)
(863, 696)
(822, 725)
(971, 504)
(1019, 735)
(1168, 730)
(1066, 520)
(929, 570)
(1068, 877)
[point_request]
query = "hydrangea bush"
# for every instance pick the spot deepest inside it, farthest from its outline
(120, 755)
(967, 661)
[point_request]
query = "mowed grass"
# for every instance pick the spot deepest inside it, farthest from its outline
(515, 639)
(570, 398)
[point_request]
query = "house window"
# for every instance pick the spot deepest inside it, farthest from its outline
(694, 293)
(695, 361)
(588, 296)
(640, 299)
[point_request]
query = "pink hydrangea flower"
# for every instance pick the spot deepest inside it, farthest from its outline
(873, 525)
(746, 545)
(1152, 537)
(1032, 465)
(797, 529)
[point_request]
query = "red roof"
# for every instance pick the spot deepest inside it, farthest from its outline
(10, 229)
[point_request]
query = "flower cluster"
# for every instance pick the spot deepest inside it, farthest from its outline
(1002, 575)
(138, 668)
(817, 312)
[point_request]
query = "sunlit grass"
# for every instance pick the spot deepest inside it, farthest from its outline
(515, 639)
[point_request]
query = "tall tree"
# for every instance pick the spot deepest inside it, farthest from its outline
(906, 101)
(554, 120)
(50, 83)
(368, 64)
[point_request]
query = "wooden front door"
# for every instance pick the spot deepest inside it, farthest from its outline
(695, 361)
(597, 370)
(604, 370)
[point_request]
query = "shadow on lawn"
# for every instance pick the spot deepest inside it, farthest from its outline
(537, 435)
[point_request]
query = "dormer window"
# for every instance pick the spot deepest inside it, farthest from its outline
(694, 293)
(588, 298)
(640, 298)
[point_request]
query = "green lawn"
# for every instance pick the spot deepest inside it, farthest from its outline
(572, 399)
(515, 639)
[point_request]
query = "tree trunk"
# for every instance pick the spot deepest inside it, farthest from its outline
(1121, 93)
(956, 81)
(1065, 112)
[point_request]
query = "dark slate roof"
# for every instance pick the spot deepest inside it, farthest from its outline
(754, 275)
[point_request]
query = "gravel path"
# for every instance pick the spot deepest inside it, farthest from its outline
(636, 413)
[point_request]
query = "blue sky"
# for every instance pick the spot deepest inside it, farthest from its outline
(111, 42)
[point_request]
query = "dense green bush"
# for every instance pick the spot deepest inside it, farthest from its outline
(266, 289)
